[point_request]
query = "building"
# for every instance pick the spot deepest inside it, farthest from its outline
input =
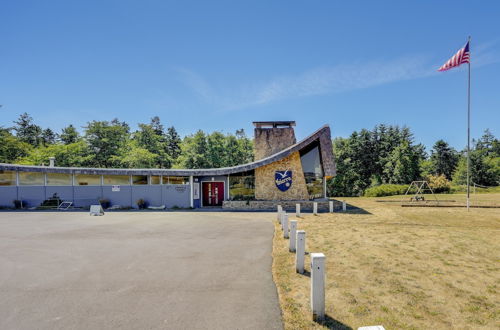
(283, 171)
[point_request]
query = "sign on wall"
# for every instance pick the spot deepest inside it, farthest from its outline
(196, 191)
(283, 179)
(180, 188)
(115, 188)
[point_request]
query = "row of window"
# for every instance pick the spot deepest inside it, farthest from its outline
(8, 178)
(242, 187)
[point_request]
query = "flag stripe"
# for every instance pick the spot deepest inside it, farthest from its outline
(462, 56)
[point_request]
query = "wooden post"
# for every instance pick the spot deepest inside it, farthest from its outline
(318, 286)
(285, 225)
(301, 251)
(293, 235)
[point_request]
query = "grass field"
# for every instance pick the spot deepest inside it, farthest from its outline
(403, 268)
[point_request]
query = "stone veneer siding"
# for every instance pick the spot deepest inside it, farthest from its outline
(265, 187)
(269, 141)
(289, 206)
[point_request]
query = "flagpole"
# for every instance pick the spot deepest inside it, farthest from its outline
(468, 135)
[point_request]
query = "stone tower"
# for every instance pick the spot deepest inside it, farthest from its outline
(271, 137)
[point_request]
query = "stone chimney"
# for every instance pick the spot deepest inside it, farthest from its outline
(271, 137)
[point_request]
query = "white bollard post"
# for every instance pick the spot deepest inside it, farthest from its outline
(285, 225)
(283, 214)
(279, 211)
(330, 204)
(344, 206)
(293, 235)
(318, 286)
(315, 208)
(297, 210)
(280, 217)
(301, 251)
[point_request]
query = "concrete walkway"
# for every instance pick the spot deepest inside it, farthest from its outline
(138, 270)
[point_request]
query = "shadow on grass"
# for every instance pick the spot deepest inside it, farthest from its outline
(350, 209)
(356, 210)
(332, 323)
(306, 273)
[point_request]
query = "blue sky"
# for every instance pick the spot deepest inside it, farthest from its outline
(219, 65)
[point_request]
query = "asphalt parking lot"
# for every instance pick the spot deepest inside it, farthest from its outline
(137, 270)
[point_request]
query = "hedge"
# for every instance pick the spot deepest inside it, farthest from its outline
(386, 190)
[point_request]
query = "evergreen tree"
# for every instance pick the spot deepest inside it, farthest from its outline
(484, 163)
(402, 166)
(194, 151)
(239, 149)
(173, 143)
(486, 142)
(69, 135)
(482, 171)
(48, 137)
(27, 131)
(444, 159)
(347, 182)
(157, 126)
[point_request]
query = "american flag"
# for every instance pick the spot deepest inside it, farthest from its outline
(462, 56)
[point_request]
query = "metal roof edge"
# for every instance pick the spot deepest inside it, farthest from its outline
(322, 135)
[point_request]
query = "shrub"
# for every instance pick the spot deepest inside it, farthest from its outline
(439, 183)
(18, 204)
(386, 190)
(141, 203)
(105, 203)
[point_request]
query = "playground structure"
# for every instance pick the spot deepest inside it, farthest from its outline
(421, 188)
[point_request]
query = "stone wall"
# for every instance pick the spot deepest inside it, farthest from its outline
(265, 186)
(289, 206)
(268, 141)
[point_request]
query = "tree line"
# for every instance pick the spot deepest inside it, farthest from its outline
(112, 144)
(389, 155)
(384, 155)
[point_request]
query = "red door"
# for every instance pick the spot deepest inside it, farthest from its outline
(213, 193)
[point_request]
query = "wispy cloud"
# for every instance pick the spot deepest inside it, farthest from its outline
(322, 80)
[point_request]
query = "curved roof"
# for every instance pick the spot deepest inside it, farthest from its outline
(321, 136)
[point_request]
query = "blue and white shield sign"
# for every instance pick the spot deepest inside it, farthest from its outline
(283, 180)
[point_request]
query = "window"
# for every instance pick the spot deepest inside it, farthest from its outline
(313, 172)
(155, 179)
(31, 178)
(7, 178)
(175, 180)
(59, 179)
(242, 186)
(87, 180)
(110, 180)
(139, 179)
